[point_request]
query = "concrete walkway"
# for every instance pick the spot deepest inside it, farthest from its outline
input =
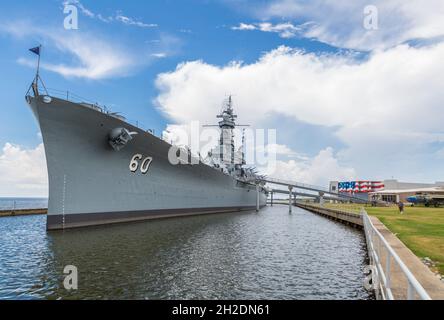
(429, 281)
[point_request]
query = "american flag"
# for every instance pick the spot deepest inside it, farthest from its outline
(360, 186)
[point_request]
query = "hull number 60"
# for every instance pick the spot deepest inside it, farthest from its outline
(144, 165)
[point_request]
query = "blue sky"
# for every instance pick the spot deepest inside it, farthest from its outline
(197, 30)
(335, 91)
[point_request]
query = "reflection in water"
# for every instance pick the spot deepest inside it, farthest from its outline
(267, 255)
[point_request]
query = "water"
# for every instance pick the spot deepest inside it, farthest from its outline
(267, 255)
(23, 203)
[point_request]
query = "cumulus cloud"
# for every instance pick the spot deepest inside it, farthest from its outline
(386, 109)
(23, 171)
(341, 23)
(318, 170)
(279, 150)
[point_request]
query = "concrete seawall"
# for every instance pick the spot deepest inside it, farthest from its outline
(352, 219)
(22, 212)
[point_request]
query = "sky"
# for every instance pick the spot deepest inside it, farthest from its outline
(351, 98)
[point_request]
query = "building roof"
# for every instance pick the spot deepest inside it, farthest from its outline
(399, 191)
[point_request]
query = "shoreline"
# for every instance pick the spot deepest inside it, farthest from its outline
(22, 212)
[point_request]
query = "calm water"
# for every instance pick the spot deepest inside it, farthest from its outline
(267, 255)
(23, 203)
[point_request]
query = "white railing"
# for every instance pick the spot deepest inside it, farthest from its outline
(75, 98)
(377, 247)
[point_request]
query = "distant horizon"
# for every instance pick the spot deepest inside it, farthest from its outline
(1, 197)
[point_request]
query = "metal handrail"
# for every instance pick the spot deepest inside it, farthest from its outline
(384, 274)
(73, 97)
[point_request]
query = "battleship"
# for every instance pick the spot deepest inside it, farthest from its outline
(102, 169)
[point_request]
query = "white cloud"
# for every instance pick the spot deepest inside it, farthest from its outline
(82, 8)
(386, 109)
(319, 170)
(23, 171)
(97, 59)
(159, 55)
(132, 22)
(90, 56)
(118, 16)
(279, 150)
(285, 30)
(440, 154)
(340, 23)
(245, 26)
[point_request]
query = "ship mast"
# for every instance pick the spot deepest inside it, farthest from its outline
(225, 151)
(35, 83)
(226, 125)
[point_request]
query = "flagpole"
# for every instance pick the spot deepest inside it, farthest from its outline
(37, 75)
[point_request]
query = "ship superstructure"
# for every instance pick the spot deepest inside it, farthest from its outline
(225, 156)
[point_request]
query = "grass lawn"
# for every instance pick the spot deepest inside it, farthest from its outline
(420, 228)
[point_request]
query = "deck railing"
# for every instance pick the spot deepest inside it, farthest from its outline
(73, 97)
(381, 255)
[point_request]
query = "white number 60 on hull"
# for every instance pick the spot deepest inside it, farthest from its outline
(145, 165)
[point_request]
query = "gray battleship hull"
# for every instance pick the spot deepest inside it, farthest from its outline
(91, 184)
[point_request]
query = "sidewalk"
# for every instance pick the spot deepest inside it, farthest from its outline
(430, 282)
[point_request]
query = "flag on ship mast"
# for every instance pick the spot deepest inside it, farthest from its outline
(36, 50)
